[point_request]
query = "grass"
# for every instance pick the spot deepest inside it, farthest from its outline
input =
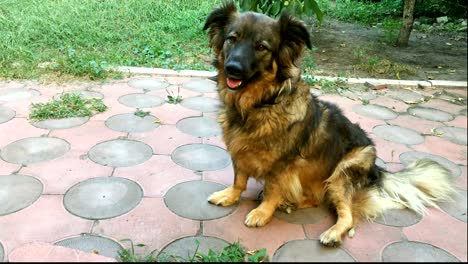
(69, 105)
(231, 253)
(327, 86)
(376, 65)
(82, 39)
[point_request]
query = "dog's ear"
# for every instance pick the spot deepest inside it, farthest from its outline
(217, 21)
(294, 36)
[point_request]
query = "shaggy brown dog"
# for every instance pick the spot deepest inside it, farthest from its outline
(305, 150)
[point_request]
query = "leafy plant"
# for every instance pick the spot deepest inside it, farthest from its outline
(172, 99)
(141, 113)
(274, 8)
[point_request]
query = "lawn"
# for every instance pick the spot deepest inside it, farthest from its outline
(80, 38)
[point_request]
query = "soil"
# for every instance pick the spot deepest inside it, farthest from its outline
(436, 56)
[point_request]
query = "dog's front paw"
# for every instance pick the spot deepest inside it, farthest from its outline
(330, 238)
(225, 197)
(257, 218)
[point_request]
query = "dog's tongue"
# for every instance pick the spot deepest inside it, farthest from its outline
(233, 83)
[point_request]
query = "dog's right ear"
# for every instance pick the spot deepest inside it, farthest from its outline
(217, 21)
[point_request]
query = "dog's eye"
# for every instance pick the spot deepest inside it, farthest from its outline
(231, 39)
(260, 47)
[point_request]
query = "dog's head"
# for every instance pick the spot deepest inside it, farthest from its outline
(249, 44)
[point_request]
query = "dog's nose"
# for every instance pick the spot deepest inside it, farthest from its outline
(233, 68)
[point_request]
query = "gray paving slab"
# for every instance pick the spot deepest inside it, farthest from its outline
(375, 111)
(201, 157)
(141, 100)
(199, 126)
(131, 123)
(457, 135)
(120, 153)
(310, 251)
(356, 94)
(62, 123)
(200, 85)
(399, 218)
(304, 216)
(18, 192)
(456, 208)
(34, 149)
(398, 134)
(149, 84)
(197, 192)
(463, 112)
(379, 162)
(17, 94)
(6, 114)
(185, 248)
(203, 104)
(91, 243)
(430, 113)
(415, 252)
(408, 157)
(405, 95)
(102, 197)
(2, 253)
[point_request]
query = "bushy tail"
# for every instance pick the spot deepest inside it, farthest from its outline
(417, 187)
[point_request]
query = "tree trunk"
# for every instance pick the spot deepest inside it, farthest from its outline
(407, 25)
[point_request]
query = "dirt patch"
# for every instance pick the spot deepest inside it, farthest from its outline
(357, 51)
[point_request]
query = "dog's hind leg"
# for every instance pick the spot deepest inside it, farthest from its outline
(231, 194)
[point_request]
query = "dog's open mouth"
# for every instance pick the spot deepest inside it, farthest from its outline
(233, 83)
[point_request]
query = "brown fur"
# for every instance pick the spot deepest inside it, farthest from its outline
(305, 150)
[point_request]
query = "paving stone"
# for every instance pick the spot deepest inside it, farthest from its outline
(186, 248)
(197, 192)
(201, 157)
(367, 124)
(6, 114)
(379, 162)
(310, 251)
(410, 156)
(131, 123)
(200, 85)
(16, 129)
(304, 216)
(375, 111)
(459, 121)
(199, 126)
(442, 105)
(399, 217)
(91, 243)
(102, 197)
(141, 100)
(463, 112)
(442, 147)
(393, 104)
(316, 92)
(85, 94)
(405, 95)
(455, 134)
(456, 208)
(398, 134)
(120, 153)
(18, 192)
(415, 252)
(17, 94)
(415, 123)
(2, 253)
(36, 149)
(203, 104)
(61, 123)
(430, 113)
(148, 84)
(355, 94)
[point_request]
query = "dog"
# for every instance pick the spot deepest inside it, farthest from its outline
(304, 150)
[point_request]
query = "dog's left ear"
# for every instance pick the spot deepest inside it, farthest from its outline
(217, 21)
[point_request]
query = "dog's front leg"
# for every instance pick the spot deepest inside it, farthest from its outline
(261, 215)
(231, 194)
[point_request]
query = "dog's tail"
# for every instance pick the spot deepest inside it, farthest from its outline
(422, 184)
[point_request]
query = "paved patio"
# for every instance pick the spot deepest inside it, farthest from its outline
(71, 189)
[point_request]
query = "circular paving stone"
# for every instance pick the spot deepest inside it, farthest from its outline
(148, 84)
(6, 114)
(196, 194)
(456, 208)
(375, 111)
(60, 123)
(399, 217)
(415, 252)
(92, 244)
(379, 162)
(455, 134)
(18, 192)
(120, 153)
(203, 104)
(83, 94)
(310, 251)
(102, 197)
(304, 216)
(16, 94)
(199, 126)
(201, 157)
(410, 156)
(2, 253)
(129, 122)
(35, 149)
(356, 94)
(185, 247)
(463, 112)
(430, 113)
(398, 134)
(141, 100)
(405, 95)
(201, 86)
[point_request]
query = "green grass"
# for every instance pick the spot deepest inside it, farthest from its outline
(82, 38)
(69, 105)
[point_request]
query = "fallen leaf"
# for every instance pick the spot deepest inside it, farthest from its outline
(411, 102)
(379, 87)
(94, 251)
